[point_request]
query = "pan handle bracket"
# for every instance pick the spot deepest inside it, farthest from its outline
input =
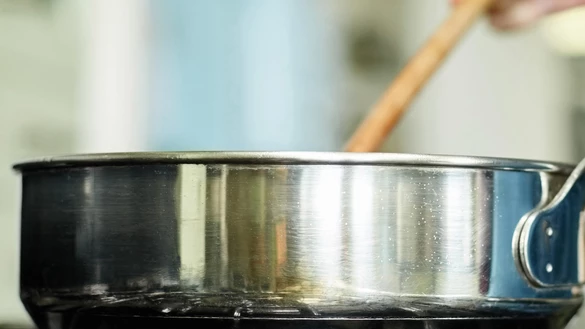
(549, 241)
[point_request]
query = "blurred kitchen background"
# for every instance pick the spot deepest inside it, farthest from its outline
(154, 75)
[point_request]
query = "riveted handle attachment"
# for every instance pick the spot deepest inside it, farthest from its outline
(549, 244)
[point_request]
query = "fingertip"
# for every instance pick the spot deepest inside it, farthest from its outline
(503, 25)
(517, 17)
(499, 21)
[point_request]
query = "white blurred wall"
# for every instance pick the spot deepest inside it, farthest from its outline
(113, 84)
(37, 113)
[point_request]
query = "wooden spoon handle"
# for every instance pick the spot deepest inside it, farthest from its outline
(387, 112)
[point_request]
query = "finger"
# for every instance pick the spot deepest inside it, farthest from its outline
(520, 14)
(523, 13)
(555, 6)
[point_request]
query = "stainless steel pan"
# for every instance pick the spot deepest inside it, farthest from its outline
(301, 235)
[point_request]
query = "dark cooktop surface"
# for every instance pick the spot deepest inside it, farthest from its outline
(85, 321)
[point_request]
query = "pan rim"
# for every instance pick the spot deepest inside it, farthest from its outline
(292, 158)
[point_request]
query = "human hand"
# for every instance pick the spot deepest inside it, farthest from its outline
(516, 14)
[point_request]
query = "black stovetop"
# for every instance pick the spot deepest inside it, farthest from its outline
(115, 322)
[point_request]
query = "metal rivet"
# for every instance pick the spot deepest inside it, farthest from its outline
(549, 231)
(549, 267)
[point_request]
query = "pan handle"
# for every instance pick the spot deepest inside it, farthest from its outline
(549, 241)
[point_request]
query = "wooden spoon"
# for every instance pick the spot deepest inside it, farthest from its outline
(372, 132)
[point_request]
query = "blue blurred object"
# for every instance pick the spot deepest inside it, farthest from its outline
(241, 75)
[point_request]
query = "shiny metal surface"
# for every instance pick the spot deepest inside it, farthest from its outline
(344, 158)
(316, 235)
(550, 239)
